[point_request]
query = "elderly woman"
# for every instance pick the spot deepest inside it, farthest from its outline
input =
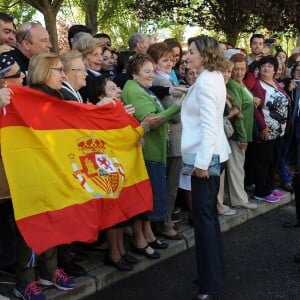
(162, 55)
(46, 74)
(271, 116)
(91, 50)
(203, 139)
(76, 74)
(136, 92)
(243, 125)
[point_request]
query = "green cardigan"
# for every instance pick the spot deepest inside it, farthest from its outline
(155, 148)
(243, 98)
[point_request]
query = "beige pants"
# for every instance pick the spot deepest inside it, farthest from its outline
(236, 175)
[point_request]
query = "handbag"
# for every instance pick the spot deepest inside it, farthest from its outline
(228, 128)
(188, 160)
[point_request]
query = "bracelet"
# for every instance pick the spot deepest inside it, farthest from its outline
(145, 127)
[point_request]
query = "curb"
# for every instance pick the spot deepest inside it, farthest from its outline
(100, 276)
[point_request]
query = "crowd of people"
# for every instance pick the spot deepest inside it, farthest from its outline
(182, 98)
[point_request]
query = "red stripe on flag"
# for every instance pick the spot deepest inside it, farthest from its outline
(52, 111)
(82, 222)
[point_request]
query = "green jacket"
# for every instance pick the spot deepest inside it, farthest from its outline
(155, 148)
(243, 125)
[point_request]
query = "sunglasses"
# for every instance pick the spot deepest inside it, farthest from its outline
(17, 75)
(30, 25)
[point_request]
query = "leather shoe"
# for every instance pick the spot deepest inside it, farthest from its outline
(143, 251)
(121, 264)
(157, 244)
(292, 224)
(130, 258)
(73, 269)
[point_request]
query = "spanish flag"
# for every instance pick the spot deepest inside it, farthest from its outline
(73, 169)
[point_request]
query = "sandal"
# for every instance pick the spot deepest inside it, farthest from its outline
(143, 251)
(178, 236)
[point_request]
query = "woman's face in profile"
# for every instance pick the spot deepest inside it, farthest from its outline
(56, 76)
(195, 59)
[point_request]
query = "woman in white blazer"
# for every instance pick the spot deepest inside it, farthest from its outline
(203, 136)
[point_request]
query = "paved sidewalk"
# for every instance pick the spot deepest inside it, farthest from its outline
(100, 276)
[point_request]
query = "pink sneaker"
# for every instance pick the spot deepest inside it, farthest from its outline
(270, 198)
(279, 194)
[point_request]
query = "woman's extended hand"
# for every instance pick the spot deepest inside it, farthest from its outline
(149, 121)
(200, 173)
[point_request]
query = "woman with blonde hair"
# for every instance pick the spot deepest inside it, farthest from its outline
(205, 143)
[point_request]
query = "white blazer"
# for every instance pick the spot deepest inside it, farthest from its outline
(202, 119)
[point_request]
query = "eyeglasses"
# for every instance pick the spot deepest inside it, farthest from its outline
(183, 62)
(30, 25)
(17, 75)
(78, 70)
(59, 70)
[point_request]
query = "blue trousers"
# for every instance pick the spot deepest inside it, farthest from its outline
(208, 238)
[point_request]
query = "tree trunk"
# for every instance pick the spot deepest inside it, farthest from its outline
(232, 37)
(50, 22)
(91, 9)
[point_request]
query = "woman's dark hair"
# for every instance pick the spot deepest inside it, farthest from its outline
(98, 88)
(136, 62)
(173, 43)
(268, 59)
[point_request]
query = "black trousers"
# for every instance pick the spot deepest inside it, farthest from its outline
(208, 239)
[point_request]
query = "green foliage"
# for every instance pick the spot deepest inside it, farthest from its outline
(22, 11)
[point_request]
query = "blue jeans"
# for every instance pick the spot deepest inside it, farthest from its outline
(157, 176)
(208, 238)
(284, 172)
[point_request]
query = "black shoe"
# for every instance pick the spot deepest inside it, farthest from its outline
(157, 244)
(130, 258)
(143, 251)
(292, 224)
(73, 269)
(121, 264)
(176, 218)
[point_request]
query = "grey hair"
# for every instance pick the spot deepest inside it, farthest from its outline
(134, 39)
